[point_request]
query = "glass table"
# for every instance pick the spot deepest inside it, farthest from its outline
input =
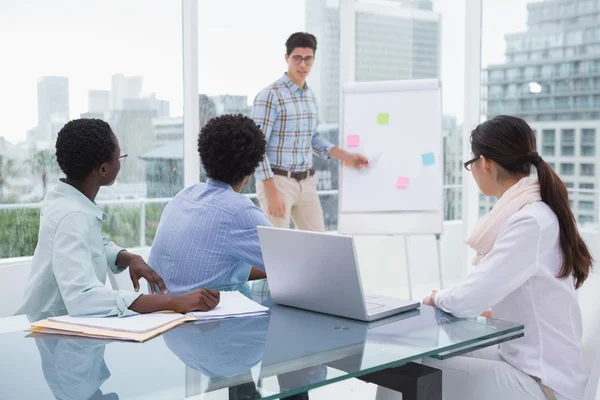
(286, 352)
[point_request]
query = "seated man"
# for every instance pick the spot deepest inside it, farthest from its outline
(207, 234)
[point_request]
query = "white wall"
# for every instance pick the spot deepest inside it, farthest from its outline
(14, 274)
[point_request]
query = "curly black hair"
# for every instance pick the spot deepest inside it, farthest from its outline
(82, 145)
(301, 39)
(231, 147)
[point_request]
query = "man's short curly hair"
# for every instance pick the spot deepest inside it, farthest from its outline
(82, 145)
(231, 147)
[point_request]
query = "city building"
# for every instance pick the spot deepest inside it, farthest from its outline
(394, 40)
(53, 105)
(149, 102)
(99, 102)
(164, 170)
(124, 87)
(134, 130)
(551, 78)
(231, 104)
(167, 130)
(96, 115)
(453, 168)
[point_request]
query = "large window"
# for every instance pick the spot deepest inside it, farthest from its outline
(513, 73)
(586, 219)
(588, 169)
(548, 142)
(105, 60)
(530, 72)
(560, 74)
(267, 33)
(586, 205)
(567, 142)
(587, 187)
(588, 142)
(567, 169)
(496, 75)
(393, 40)
(109, 60)
(574, 37)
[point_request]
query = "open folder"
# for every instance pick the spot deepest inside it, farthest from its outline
(142, 327)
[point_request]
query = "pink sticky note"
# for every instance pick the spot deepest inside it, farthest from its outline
(402, 182)
(353, 140)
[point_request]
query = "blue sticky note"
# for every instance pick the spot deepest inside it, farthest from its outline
(428, 159)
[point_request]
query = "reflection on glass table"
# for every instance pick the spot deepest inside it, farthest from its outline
(286, 352)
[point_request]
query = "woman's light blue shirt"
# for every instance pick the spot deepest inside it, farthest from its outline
(72, 258)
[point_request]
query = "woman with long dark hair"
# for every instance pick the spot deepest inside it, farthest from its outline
(530, 261)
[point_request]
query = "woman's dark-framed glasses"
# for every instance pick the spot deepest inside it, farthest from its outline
(467, 164)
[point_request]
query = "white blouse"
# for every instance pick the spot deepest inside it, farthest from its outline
(517, 280)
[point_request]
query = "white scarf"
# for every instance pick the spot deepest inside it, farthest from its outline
(484, 235)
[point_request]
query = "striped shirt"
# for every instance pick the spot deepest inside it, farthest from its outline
(288, 117)
(207, 238)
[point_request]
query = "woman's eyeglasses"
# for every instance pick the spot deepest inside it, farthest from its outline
(121, 158)
(467, 164)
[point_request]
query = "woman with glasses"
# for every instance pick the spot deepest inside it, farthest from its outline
(72, 258)
(530, 261)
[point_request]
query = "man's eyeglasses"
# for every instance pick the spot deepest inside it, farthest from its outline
(297, 60)
(467, 164)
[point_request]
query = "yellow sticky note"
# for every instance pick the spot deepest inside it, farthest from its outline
(383, 119)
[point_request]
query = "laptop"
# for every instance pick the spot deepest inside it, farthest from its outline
(319, 272)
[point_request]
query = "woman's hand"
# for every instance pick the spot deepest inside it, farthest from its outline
(198, 300)
(430, 300)
(139, 269)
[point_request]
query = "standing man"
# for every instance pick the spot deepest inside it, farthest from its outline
(288, 115)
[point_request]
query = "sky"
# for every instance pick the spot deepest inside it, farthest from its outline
(241, 48)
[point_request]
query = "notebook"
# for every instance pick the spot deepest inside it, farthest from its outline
(143, 327)
(231, 305)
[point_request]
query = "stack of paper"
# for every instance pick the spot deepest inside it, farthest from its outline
(231, 305)
(138, 328)
(142, 327)
(137, 324)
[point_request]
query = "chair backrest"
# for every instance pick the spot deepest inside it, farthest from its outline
(589, 298)
(123, 282)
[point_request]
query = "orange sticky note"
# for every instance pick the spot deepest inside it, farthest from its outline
(353, 140)
(402, 182)
(346, 164)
